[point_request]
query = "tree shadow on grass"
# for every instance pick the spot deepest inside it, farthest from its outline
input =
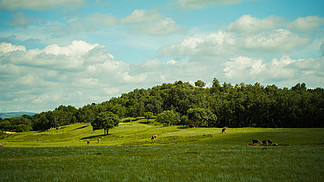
(91, 137)
(183, 127)
(143, 122)
(81, 127)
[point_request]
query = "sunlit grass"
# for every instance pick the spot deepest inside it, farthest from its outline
(139, 133)
(179, 154)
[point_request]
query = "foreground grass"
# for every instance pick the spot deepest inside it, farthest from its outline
(179, 154)
(181, 162)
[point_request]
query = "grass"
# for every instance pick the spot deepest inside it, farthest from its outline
(179, 154)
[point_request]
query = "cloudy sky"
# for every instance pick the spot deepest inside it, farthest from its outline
(76, 52)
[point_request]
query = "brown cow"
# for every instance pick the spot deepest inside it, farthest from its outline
(1, 145)
(224, 130)
(88, 142)
(154, 137)
(191, 126)
(256, 141)
(254, 144)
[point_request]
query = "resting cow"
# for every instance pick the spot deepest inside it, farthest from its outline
(267, 142)
(255, 144)
(154, 137)
(256, 141)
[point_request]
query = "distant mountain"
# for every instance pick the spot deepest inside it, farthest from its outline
(15, 114)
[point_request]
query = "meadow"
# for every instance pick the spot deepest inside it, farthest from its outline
(179, 154)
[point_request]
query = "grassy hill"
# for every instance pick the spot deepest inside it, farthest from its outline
(139, 133)
(179, 154)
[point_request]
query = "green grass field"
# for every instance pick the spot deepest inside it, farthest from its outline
(179, 154)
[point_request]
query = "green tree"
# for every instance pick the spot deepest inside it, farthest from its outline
(5, 125)
(106, 121)
(168, 118)
(202, 117)
(200, 83)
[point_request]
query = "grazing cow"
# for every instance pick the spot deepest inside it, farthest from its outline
(256, 141)
(224, 130)
(254, 144)
(88, 142)
(154, 137)
(191, 126)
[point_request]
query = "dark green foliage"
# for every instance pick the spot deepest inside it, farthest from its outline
(200, 83)
(168, 118)
(106, 121)
(202, 117)
(148, 115)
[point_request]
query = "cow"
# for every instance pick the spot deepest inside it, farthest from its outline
(1, 145)
(256, 141)
(267, 142)
(98, 140)
(224, 130)
(254, 144)
(88, 142)
(154, 137)
(191, 126)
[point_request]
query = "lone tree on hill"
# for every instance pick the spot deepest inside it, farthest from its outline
(106, 121)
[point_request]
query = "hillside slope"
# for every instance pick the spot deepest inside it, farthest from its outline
(139, 133)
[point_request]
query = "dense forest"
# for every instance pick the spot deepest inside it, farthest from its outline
(180, 103)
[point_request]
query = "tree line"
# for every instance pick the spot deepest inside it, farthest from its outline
(180, 103)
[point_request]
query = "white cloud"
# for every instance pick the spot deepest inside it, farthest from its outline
(275, 71)
(38, 4)
(163, 27)
(203, 46)
(7, 47)
(279, 40)
(307, 24)
(249, 24)
(197, 4)
(142, 16)
(151, 22)
(102, 19)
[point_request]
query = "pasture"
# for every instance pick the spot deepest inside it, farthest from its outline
(178, 154)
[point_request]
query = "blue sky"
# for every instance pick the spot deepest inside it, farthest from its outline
(78, 52)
